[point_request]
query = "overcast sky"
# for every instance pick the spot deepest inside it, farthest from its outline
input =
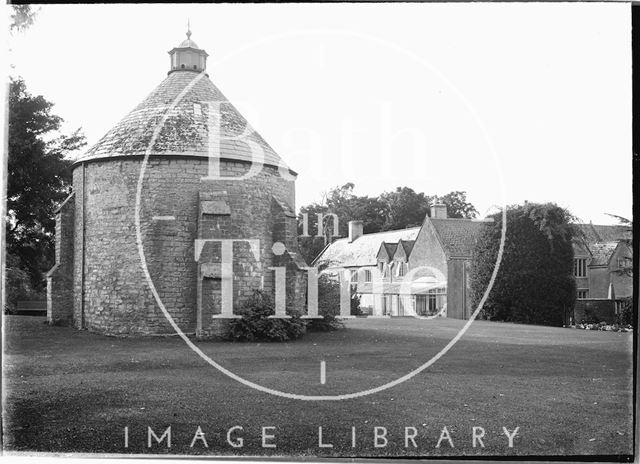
(509, 102)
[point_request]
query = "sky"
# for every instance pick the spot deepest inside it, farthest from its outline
(508, 102)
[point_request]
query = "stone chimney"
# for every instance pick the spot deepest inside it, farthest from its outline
(439, 211)
(355, 230)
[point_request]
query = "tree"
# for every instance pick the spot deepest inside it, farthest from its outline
(395, 210)
(38, 178)
(535, 283)
(22, 17)
(406, 208)
(458, 206)
(371, 211)
(329, 305)
(348, 207)
(622, 220)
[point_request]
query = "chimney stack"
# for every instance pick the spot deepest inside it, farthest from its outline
(439, 211)
(355, 230)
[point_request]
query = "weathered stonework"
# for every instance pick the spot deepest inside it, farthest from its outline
(117, 298)
(60, 277)
(106, 289)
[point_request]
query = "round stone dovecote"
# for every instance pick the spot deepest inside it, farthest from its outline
(208, 179)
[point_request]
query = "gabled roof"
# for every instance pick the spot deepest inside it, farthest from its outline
(391, 249)
(594, 233)
(185, 132)
(363, 250)
(458, 236)
(602, 252)
(407, 246)
(383, 253)
(600, 241)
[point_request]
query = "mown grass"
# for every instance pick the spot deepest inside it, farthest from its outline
(568, 391)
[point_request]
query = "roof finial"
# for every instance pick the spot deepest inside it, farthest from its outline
(188, 28)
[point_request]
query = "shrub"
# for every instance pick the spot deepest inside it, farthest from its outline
(18, 285)
(355, 305)
(535, 280)
(256, 325)
(625, 314)
(589, 317)
(328, 306)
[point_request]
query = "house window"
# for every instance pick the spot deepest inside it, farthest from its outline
(401, 269)
(580, 267)
(624, 263)
(436, 299)
(421, 305)
(583, 293)
(354, 277)
(381, 267)
(367, 275)
(432, 301)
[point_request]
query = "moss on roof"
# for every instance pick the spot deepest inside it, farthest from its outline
(363, 250)
(458, 236)
(186, 130)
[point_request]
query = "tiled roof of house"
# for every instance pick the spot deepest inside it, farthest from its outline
(598, 240)
(185, 132)
(601, 252)
(407, 245)
(599, 233)
(458, 236)
(391, 248)
(363, 250)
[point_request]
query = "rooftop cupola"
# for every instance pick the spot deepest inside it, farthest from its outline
(188, 56)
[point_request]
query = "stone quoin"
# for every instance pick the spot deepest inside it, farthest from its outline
(209, 176)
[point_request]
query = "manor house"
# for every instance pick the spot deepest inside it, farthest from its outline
(435, 258)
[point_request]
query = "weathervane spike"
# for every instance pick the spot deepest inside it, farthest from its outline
(188, 28)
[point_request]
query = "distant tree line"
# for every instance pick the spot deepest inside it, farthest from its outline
(394, 210)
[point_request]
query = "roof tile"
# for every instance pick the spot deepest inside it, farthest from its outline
(185, 131)
(602, 252)
(363, 250)
(458, 236)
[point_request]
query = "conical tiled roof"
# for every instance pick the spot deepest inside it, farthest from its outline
(186, 129)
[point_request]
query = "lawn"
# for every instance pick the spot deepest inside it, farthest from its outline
(569, 391)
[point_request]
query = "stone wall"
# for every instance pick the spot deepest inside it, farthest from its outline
(60, 277)
(622, 281)
(78, 246)
(599, 279)
(285, 230)
(117, 298)
(456, 291)
(427, 250)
